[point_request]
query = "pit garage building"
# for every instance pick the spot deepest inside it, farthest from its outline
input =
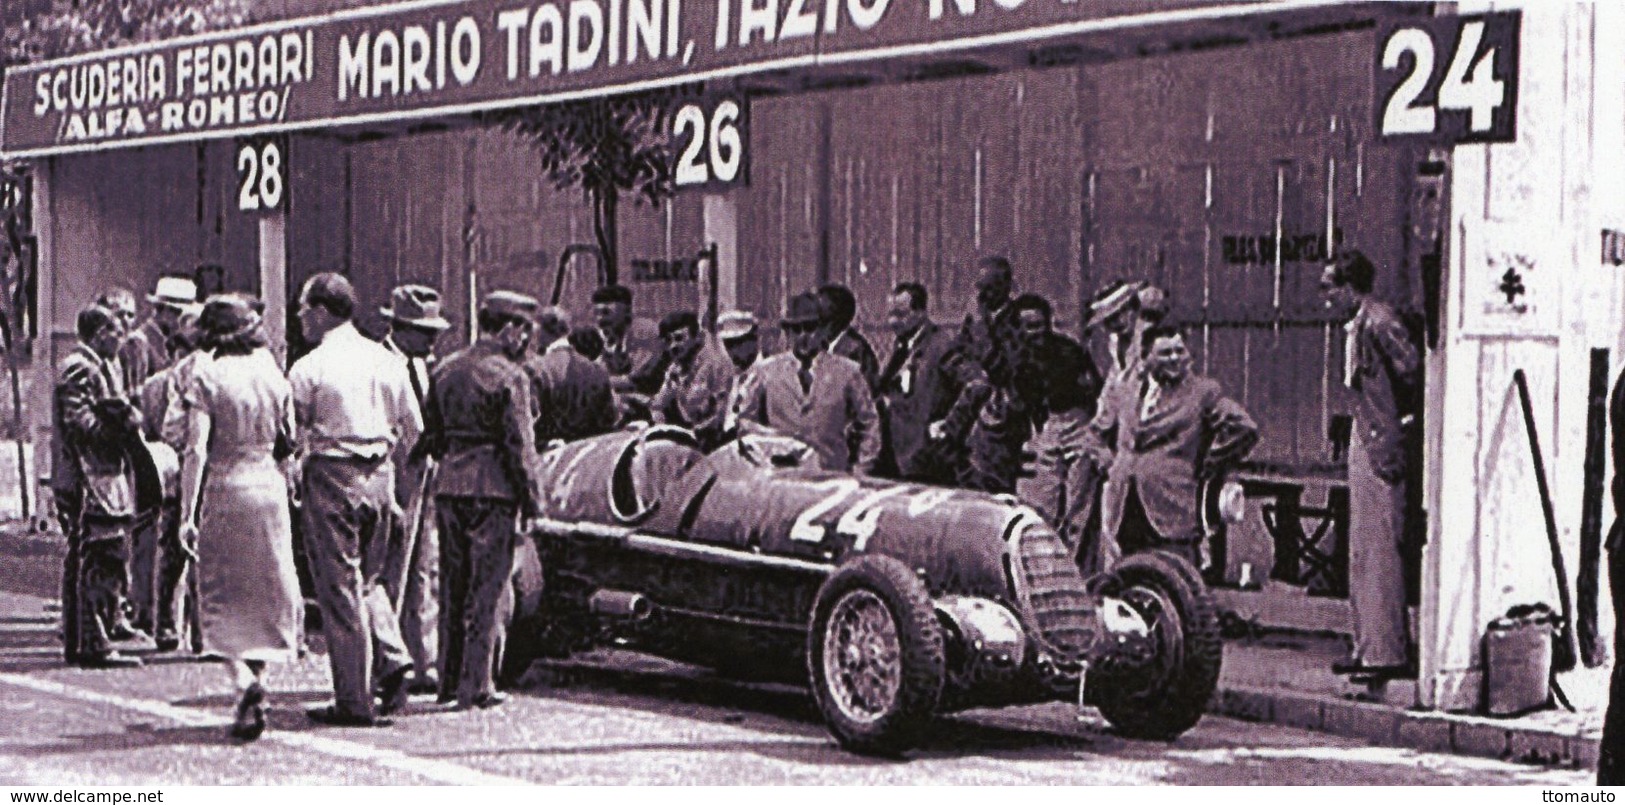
(1222, 150)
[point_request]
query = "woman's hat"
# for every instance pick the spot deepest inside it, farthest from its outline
(228, 315)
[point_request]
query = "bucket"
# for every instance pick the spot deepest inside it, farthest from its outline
(1518, 661)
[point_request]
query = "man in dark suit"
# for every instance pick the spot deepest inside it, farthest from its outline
(920, 385)
(412, 576)
(1062, 384)
(572, 393)
(840, 309)
(479, 424)
(989, 331)
(633, 353)
(1383, 370)
(93, 479)
(1161, 440)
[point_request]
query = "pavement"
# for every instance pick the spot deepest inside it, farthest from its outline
(1286, 679)
(1274, 678)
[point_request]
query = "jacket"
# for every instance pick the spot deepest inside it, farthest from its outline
(636, 363)
(1195, 433)
(92, 473)
(697, 398)
(143, 354)
(921, 383)
(1385, 380)
(478, 425)
(851, 344)
(837, 404)
(571, 395)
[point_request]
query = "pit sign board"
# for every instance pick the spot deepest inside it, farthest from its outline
(710, 143)
(1449, 79)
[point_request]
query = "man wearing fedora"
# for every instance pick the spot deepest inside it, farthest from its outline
(479, 426)
(145, 351)
(354, 408)
(812, 395)
(144, 354)
(412, 576)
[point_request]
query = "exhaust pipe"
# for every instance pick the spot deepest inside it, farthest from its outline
(620, 604)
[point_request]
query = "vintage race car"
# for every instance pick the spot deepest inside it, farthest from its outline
(894, 601)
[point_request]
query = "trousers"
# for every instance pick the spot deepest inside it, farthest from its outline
(413, 582)
(347, 521)
(1057, 481)
(95, 580)
(1376, 572)
(476, 567)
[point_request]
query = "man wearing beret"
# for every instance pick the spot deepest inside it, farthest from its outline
(480, 428)
(413, 575)
(353, 404)
(695, 391)
(812, 395)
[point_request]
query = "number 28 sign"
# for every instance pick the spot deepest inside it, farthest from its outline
(1449, 79)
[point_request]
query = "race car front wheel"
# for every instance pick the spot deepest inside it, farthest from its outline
(1156, 680)
(875, 654)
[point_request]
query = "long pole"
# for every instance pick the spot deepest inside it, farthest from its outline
(17, 416)
(1564, 652)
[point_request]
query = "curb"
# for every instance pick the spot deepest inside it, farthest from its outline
(1384, 725)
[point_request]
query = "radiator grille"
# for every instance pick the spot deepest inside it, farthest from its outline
(1051, 592)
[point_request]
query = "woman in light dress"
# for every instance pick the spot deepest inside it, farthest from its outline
(234, 501)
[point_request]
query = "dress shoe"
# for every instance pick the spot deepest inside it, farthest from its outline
(167, 641)
(333, 717)
(250, 721)
(484, 701)
(111, 659)
(122, 631)
(422, 686)
(392, 691)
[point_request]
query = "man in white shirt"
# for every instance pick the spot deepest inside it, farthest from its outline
(353, 404)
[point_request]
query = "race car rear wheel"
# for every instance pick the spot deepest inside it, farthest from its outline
(1163, 693)
(875, 654)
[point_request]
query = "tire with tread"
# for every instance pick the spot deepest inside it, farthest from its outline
(1175, 700)
(920, 666)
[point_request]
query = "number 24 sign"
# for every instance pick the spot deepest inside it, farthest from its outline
(1449, 79)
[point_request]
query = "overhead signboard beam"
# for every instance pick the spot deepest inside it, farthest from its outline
(387, 65)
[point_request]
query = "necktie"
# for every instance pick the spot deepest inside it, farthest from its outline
(1153, 395)
(417, 382)
(806, 378)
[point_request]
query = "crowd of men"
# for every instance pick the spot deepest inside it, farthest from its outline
(416, 474)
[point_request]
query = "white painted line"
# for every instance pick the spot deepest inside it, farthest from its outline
(436, 770)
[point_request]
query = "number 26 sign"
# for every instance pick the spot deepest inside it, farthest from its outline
(1449, 79)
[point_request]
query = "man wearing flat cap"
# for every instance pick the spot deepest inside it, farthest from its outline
(353, 405)
(479, 426)
(812, 395)
(413, 575)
